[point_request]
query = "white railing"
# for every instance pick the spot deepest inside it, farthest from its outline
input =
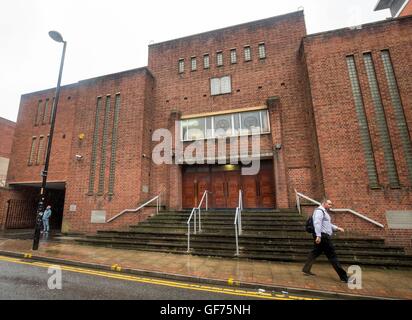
(238, 221)
(157, 199)
(196, 211)
(300, 195)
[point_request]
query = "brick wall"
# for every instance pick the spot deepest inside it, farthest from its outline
(341, 151)
(131, 169)
(7, 128)
(407, 10)
(26, 128)
(253, 83)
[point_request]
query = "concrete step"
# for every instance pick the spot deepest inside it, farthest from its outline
(229, 252)
(245, 246)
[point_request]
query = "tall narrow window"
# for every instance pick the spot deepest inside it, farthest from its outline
(381, 121)
(94, 146)
(248, 53)
(193, 63)
(46, 111)
(52, 110)
(398, 110)
(363, 123)
(45, 149)
(100, 190)
(32, 151)
(114, 144)
(40, 151)
(181, 65)
(262, 51)
(233, 56)
(219, 58)
(206, 61)
(39, 113)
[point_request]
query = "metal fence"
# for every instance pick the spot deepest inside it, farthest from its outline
(20, 214)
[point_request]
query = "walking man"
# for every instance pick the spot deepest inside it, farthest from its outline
(323, 243)
(46, 216)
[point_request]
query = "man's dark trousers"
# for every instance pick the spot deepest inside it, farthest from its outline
(327, 247)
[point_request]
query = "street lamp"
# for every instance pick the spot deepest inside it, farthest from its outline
(40, 207)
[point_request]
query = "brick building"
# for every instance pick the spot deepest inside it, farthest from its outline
(330, 111)
(398, 8)
(7, 128)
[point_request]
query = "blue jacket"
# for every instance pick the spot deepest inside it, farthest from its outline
(47, 214)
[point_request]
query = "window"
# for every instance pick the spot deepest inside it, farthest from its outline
(206, 61)
(233, 56)
(193, 63)
(220, 85)
(262, 51)
(32, 151)
(39, 113)
(248, 54)
(219, 58)
(46, 112)
(196, 129)
(225, 125)
(250, 122)
(40, 150)
(181, 65)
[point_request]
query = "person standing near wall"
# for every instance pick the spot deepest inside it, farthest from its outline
(46, 216)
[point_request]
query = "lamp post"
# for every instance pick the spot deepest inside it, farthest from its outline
(40, 207)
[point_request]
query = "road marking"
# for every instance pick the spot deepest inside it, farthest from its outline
(175, 284)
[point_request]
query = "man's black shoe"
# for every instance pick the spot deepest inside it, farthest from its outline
(308, 273)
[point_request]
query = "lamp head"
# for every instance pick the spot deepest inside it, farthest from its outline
(56, 36)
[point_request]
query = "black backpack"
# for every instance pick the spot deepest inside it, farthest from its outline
(309, 227)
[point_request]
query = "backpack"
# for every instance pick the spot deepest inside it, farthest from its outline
(309, 227)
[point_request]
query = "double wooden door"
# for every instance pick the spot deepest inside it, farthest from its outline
(224, 183)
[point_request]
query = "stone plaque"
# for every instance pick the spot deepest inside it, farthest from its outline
(145, 189)
(98, 216)
(73, 208)
(399, 219)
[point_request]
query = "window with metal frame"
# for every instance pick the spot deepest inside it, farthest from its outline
(32, 151)
(206, 61)
(225, 125)
(193, 62)
(262, 51)
(248, 53)
(181, 65)
(219, 58)
(233, 56)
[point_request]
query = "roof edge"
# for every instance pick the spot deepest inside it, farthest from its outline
(279, 17)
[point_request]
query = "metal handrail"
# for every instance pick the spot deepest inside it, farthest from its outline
(300, 195)
(157, 198)
(238, 221)
(196, 210)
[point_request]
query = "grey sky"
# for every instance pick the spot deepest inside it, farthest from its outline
(107, 36)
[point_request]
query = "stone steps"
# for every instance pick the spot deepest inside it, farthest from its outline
(267, 235)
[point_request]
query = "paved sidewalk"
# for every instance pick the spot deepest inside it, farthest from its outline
(376, 282)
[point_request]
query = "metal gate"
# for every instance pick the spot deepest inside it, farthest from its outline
(20, 214)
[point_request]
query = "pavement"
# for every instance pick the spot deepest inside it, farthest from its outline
(378, 283)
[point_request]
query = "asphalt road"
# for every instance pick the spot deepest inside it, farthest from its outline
(22, 279)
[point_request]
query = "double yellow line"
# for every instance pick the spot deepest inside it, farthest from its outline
(174, 284)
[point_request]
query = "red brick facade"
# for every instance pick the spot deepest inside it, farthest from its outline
(7, 128)
(407, 10)
(302, 81)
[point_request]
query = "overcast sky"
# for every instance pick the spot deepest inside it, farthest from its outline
(108, 36)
